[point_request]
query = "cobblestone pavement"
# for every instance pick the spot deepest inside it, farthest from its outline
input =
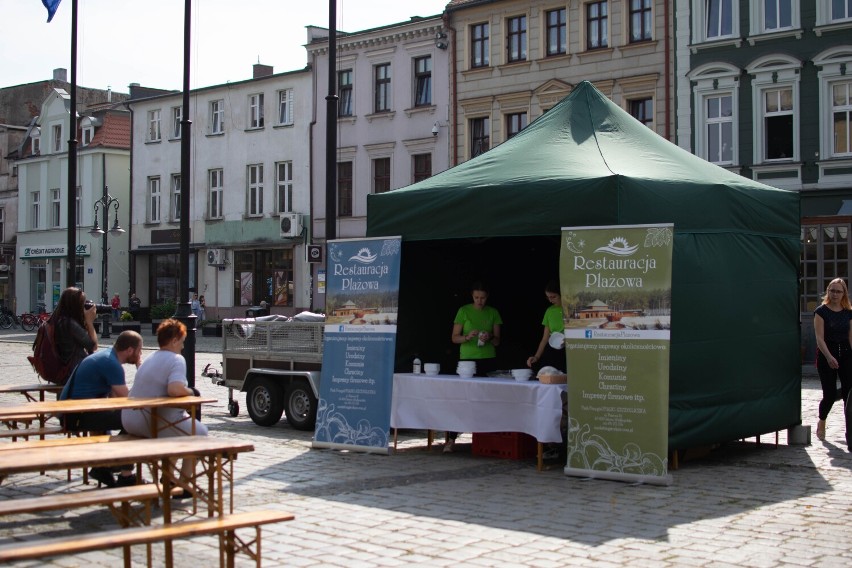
(743, 504)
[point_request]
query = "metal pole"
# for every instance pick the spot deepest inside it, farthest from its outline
(71, 253)
(184, 308)
(331, 128)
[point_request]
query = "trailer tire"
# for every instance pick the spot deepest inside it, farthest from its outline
(301, 405)
(265, 401)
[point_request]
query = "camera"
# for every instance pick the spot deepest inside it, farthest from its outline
(99, 308)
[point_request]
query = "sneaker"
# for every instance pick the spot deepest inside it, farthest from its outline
(448, 447)
(820, 430)
(103, 476)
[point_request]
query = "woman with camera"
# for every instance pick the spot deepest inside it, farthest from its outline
(75, 331)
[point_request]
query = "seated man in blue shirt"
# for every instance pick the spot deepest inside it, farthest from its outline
(101, 375)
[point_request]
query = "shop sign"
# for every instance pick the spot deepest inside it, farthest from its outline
(51, 251)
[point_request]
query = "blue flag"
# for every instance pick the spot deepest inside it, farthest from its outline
(51, 6)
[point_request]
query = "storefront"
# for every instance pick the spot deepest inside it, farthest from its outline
(40, 277)
(263, 275)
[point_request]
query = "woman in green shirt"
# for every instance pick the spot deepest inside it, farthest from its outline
(553, 322)
(476, 329)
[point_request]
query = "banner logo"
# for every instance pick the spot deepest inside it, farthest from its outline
(619, 247)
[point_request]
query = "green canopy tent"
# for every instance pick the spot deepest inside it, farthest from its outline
(735, 357)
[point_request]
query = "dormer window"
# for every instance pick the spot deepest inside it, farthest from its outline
(88, 134)
(35, 138)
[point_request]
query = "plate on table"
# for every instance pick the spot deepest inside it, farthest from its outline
(500, 374)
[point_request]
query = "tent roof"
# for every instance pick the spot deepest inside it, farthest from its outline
(584, 162)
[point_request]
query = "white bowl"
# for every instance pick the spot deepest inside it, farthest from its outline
(465, 375)
(526, 373)
(431, 369)
(522, 378)
(557, 340)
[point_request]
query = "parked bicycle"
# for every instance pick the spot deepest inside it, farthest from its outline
(7, 318)
(32, 321)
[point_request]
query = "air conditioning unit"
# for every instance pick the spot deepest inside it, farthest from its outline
(291, 224)
(216, 257)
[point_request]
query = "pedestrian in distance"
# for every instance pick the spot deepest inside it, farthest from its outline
(75, 329)
(834, 359)
(134, 304)
(116, 306)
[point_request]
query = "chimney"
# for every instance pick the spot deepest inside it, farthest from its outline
(60, 74)
(109, 93)
(259, 70)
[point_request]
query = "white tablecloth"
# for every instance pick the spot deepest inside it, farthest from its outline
(448, 402)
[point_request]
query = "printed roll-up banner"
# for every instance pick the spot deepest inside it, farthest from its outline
(616, 299)
(362, 299)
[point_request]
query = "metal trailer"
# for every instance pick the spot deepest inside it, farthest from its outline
(277, 364)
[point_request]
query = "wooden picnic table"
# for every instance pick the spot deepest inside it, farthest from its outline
(44, 409)
(26, 390)
(214, 463)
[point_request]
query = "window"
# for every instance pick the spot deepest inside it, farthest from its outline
(641, 20)
(596, 25)
(556, 32)
(479, 136)
(36, 145)
(88, 134)
(642, 110)
(263, 275)
(841, 10)
(153, 126)
(422, 81)
(255, 190)
(154, 200)
(175, 208)
(778, 124)
(215, 191)
(344, 189)
(719, 129)
(256, 111)
(824, 256)
(177, 118)
(382, 87)
(34, 209)
(774, 15)
(479, 45)
(217, 117)
(57, 137)
(284, 187)
(515, 123)
(381, 175)
(55, 208)
(422, 167)
(344, 87)
(516, 39)
(719, 19)
(841, 113)
(285, 106)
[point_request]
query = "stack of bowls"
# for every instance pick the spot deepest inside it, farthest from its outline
(431, 369)
(466, 369)
(522, 374)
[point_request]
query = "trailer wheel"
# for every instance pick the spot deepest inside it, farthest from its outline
(301, 406)
(264, 401)
(233, 408)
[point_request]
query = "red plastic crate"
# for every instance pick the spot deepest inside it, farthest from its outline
(506, 445)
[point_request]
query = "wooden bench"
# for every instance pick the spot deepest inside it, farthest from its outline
(225, 527)
(26, 433)
(117, 499)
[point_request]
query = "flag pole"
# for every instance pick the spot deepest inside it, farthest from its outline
(71, 258)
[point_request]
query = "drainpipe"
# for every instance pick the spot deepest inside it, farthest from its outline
(453, 90)
(667, 20)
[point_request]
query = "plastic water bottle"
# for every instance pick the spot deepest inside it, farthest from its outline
(417, 366)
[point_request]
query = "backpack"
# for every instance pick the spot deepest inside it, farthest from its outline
(45, 358)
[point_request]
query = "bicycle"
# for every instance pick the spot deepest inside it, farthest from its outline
(32, 321)
(6, 320)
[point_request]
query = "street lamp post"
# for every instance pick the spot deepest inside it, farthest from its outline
(105, 203)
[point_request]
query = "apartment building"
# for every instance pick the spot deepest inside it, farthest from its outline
(513, 60)
(250, 193)
(103, 167)
(764, 90)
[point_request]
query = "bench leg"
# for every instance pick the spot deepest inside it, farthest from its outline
(234, 544)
